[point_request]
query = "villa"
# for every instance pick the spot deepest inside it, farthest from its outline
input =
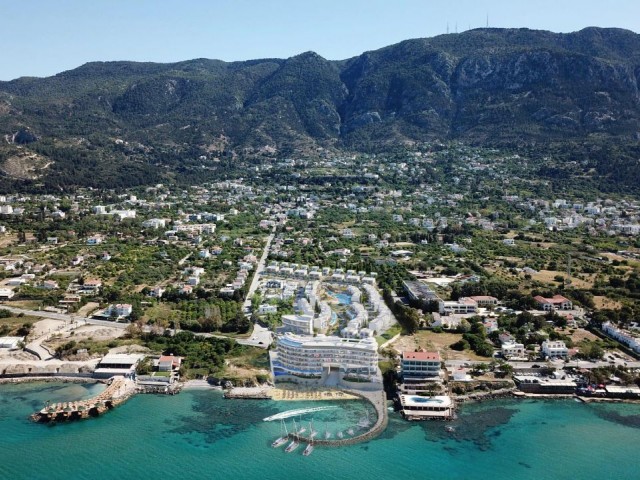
(557, 302)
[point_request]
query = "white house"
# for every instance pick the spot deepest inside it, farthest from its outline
(266, 308)
(513, 350)
(554, 348)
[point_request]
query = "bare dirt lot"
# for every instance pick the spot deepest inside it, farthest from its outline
(579, 335)
(440, 342)
(88, 308)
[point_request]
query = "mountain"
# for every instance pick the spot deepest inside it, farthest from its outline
(126, 123)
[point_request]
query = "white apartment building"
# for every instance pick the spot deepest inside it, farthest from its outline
(299, 324)
(630, 340)
(554, 348)
(464, 305)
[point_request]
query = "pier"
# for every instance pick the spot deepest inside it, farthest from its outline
(118, 391)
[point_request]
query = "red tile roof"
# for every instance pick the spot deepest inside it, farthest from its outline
(421, 356)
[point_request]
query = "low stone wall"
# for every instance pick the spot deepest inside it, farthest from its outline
(78, 378)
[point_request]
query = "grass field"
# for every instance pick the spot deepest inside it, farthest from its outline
(15, 322)
(604, 302)
(547, 276)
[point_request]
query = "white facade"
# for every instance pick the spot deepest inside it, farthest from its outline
(554, 349)
(513, 350)
(310, 357)
(121, 309)
(299, 324)
(463, 305)
(623, 336)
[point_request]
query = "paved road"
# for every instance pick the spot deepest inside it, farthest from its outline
(65, 317)
(556, 364)
(256, 276)
(261, 336)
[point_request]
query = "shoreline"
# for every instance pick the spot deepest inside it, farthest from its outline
(278, 394)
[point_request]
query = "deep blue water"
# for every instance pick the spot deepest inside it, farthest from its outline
(198, 434)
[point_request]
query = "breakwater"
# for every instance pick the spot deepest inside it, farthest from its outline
(378, 400)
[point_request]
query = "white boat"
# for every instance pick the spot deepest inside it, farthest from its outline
(340, 435)
(292, 446)
(312, 432)
(308, 450)
(278, 442)
(450, 429)
(283, 438)
(351, 432)
(327, 433)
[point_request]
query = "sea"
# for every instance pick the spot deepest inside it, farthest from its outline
(199, 434)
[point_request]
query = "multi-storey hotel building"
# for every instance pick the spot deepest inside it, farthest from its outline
(313, 357)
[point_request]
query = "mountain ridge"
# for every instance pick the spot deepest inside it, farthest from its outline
(495, 86)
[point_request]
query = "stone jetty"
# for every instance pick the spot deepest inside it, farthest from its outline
(118, 391)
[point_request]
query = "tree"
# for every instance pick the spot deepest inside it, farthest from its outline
(460, 345)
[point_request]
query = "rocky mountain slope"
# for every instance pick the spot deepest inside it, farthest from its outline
(118, 122)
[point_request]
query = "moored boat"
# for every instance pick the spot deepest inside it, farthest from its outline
(282, 439)
(292, 446)
(308, 450)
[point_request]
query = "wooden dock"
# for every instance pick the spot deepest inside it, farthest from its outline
(118, 391)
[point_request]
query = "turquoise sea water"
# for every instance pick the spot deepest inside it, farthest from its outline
(198, 434)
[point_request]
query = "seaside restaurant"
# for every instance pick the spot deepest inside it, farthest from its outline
(117, 364)
(415, 407)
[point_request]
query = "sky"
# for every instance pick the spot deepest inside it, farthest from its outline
(45, 37)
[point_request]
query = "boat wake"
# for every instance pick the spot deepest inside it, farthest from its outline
(295, 413)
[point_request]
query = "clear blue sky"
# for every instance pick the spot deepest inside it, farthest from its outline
(44, 37)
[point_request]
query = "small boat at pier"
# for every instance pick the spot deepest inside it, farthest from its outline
(292, 446)
(308, 449)
(283, 438)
